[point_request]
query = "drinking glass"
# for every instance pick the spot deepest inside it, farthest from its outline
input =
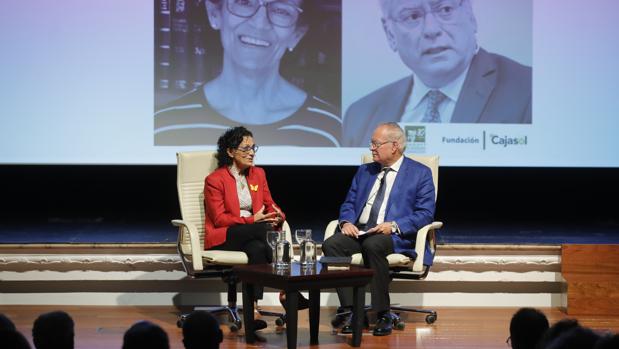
(302, 234)
(273, 236)
(282, 253)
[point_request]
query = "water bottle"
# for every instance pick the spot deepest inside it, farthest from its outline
(282, 254)
(308, 252)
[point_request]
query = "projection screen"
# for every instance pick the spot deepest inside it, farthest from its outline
(522, 83)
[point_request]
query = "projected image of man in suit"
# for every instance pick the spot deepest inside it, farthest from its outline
(453, 79)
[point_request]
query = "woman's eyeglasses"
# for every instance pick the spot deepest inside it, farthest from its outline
(248, 148)
(280, 13)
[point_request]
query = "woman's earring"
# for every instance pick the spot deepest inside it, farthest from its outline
(290, 49)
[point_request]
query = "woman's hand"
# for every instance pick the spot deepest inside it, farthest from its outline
(279, 217)
(261, 217)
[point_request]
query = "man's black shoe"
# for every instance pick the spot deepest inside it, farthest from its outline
(383, 326)
(259, 324)
(347, 328)
(340, 318)
(302, 302)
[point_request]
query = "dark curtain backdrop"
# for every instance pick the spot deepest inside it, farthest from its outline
(310, 195)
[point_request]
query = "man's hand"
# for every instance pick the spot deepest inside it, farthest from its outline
(383, 228)
(350, 229)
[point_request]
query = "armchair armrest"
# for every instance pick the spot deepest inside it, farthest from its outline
(427, 232)
(331, 229)
(194, 242)
(287, 231)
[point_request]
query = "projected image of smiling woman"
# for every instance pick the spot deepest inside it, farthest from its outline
(255, 35)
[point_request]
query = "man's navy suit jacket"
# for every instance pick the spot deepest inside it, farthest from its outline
(496, 90)
(410, 204)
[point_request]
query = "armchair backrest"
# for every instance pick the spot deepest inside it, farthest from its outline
(431, 161)
(192, 169)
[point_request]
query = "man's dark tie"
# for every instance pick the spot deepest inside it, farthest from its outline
(378, 200)
(435, 98)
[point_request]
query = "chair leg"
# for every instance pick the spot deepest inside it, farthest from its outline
(431, 315)
(235, 320)
(231, 281)
(231, 309)
(280, 318)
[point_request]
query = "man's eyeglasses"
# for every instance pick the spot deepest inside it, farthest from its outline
(280, 13)
(445, 12)
(376, 145)
(248, 148)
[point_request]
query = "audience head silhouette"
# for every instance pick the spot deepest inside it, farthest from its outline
(145, 335)
(557, 330)
(575, 338)
(12, 339)
(6, 323)
(54, 330)
(201, 331)
(608, 341)
(527, 328)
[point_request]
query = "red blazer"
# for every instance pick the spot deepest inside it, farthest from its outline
(221, 201)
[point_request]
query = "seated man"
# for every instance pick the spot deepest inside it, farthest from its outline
(389, 199)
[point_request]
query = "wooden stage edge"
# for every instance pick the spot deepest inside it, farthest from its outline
(462, 275)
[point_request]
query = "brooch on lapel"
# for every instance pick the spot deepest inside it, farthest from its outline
(253, 187)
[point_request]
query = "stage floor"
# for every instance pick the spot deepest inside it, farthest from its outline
(103, 327)
(162, 232)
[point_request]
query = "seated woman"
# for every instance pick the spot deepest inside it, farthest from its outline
(239, 206)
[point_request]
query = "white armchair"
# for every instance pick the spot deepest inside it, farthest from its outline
(192, 169)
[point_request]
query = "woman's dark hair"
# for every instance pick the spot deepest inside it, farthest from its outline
(231, 139)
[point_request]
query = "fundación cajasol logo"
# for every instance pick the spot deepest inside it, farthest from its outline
(415, 138)
(505, 141)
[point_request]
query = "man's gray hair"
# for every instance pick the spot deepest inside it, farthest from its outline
(395, 133)
(383, 5)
